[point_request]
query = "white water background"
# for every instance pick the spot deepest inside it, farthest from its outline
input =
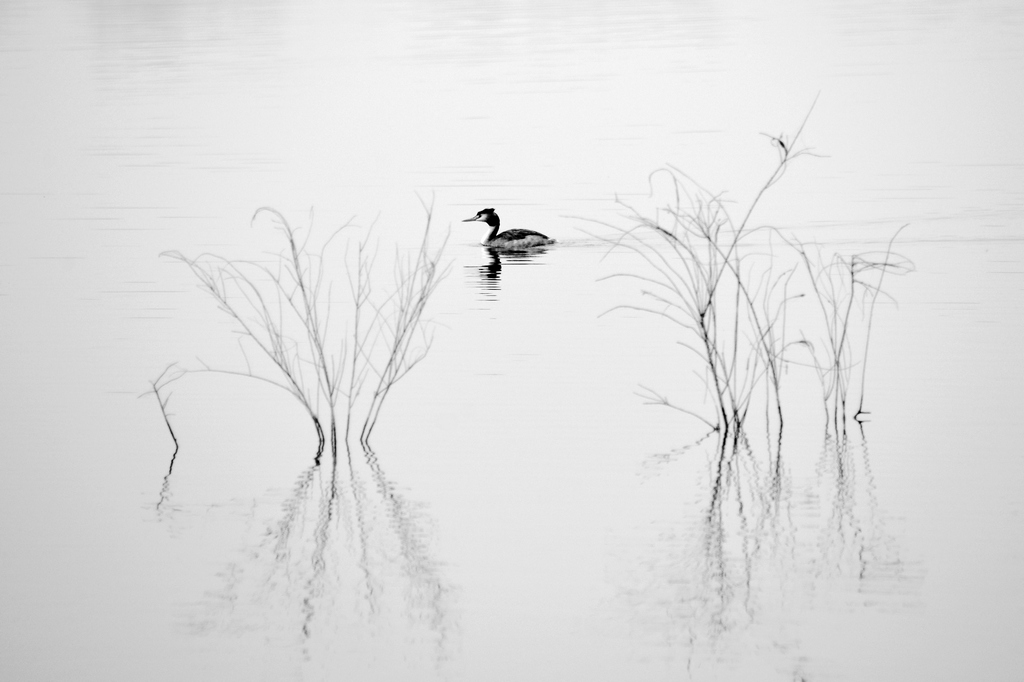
(526, 516)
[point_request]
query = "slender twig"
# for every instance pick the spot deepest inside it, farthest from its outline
(883, 267)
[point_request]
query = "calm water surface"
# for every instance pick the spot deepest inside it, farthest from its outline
(523, 516)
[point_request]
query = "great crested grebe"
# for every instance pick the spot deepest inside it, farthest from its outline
(509, 239)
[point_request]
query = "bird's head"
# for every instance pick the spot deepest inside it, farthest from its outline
(486, 215)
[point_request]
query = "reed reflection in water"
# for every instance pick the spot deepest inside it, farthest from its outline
(770, 541)
(344, 567)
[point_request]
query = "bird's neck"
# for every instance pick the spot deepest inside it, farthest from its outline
(493, 233)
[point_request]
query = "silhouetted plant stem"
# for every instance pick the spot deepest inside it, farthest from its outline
(416, 279)
(871, 316)
(158, 384)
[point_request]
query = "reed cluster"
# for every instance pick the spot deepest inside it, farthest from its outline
(729, 287)
(336, 344)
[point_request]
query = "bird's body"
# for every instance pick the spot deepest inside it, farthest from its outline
(509, 240)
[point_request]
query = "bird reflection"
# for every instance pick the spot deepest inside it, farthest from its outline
(487, 277)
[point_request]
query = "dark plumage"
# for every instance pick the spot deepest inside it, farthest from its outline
(511, 240)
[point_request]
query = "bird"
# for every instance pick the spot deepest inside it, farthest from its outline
(509, 240)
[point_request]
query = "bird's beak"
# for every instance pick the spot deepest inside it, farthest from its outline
(469, 220)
